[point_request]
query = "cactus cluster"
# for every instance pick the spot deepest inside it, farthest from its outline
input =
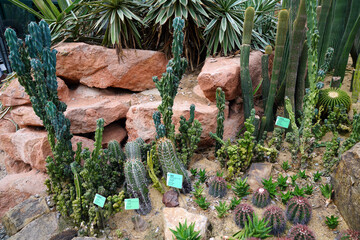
(217, 187)
(242, 213)
(301, 232)
(135, 176)
(298, 210)
(261, 197)
(276, 220)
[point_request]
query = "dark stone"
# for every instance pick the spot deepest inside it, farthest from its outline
(170, 199)
(346, 183)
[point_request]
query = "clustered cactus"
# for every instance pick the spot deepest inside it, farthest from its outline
(276, 220)
(242, 213)
(298, 210)
(217, 187)
(135, 176)
(261, 198)
(301, 232)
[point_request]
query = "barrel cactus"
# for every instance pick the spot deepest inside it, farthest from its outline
(301, 232)
(170, 163)
(242, 212)
(349, 235)
(217, 187)
(298, 210)
(276, 220)
(261, 198)
(331, 97)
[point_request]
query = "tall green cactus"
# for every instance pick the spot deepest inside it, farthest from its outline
(279, 50)
(135, 176)
(265, 74)
(220, 104)
(356, 82)
(246, 84)
(301, 80)
(116, 151)
(170, 163)
(170, 80)
(297, 40)
(325, 28)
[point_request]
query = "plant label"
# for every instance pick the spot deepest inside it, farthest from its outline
(99, 200)
(282, 122)
(132, 204)
(174, 180)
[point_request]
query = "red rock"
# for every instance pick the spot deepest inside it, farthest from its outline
(224, 72)
(113, 132)
(32, 147)
(6, 124)
(170, 199)
(15, 188)
(97, 66)
(85, 106)
(13, 166)
(15, 95)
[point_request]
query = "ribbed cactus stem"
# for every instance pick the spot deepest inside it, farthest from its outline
(133, 150)
(356, 82)
(279, 51)
(220, 104)
(248, 25)
(324, 27)
(265, 74)
(301, 80)
(116, 151)
(217, 187)
(170, 163)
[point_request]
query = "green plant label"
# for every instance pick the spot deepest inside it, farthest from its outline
(282, 122)
(99, 200)
(132, 204)
(174, 180)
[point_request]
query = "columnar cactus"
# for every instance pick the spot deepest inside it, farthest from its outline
(135, 175)
(220, 104)
(276, 218)
(217, 187)
(170, 163)
(265, 73)
(242, 212)
(301, 232)
(132, 150)
(116, 151)
(298, 210)
(261, 198)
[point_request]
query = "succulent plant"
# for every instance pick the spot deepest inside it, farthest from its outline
(301, 232)
(241, 188)
(286, 197)
(254, 228)
(222, 209)
(317, 176)
(349, 235)
(276, 220)
(270, 186)
(242, 212)
(331, 97)
(298, 210)
(285, 166)
(185, 232)
(201, 201)
(281, 182)
(284, 238)
(234, 202)
(202, 175)
(332, 222)
(261, 198)
(217, 187)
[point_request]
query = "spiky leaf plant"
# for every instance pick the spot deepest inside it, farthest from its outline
(331, 97)
(241, 188)
(185, 232)
(254, 228)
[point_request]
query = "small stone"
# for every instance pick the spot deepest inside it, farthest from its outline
(170, 199)
(316, 164)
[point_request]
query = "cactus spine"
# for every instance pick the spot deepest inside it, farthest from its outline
(356, 82)
(276, 220)
(301, 232)
(135, 175)
(217, 187)
(261, 198)
(298, 210)
(242, 212)
(265, 74)
(279, 51)
(170, 162)
(246, 84)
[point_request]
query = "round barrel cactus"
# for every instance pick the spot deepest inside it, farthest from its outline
(276, 220)
(242, 212)
(298, 210)
(217, 187)
(261, 198)
(301, 232)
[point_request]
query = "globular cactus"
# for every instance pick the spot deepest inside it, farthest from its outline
(284, 238)
(331, 97)
(242, 212)
(276, 218)
(170, 163)
(301, 232)
(349, 235)
(217, 187)
(298, 210)
(135, 175)
(261, 198)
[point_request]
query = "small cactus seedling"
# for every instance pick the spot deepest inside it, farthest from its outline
(326, 190)
(261, 198)
(317, 176)
(242, 212)
(276, 220)
(202, 203)
(285, 166)
(301, 232)
(202, 175)
(217, 187)
(298, 191)
(332, 222)
(222, 209)
(309, 189)
(298, 210)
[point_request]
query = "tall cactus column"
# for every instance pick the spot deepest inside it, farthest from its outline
(265, 74)
(279, 51)
(246, 84)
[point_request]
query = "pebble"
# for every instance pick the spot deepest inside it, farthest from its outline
(316, 164)
(37, 195)
(212, 208)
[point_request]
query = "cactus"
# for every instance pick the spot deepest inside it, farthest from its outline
(349, 235)
(261, 198)
(135, 176)
(170, 80)
(220, 104)
(170, 162)
(242, 213)
(217, 187)
(279, 50)
(356, 82)
(265, 74)
(325, 28)
(276, 220)
(150, 166)
(298, 210)
(116, 151)
(331, 97)
(301, 232)
(246, 84)
(301, 80)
